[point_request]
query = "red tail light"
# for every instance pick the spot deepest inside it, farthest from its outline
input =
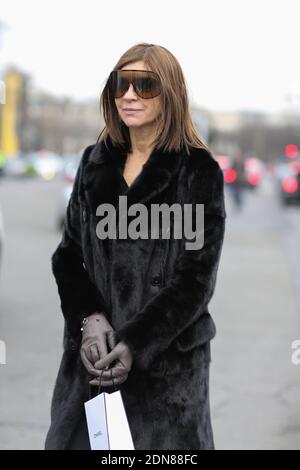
(254, 178)
(229, 175)
(290, 184)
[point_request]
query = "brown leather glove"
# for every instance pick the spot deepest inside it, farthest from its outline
(119, 361)
(97, 335)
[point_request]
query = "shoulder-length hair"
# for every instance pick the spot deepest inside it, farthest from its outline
(175, 128)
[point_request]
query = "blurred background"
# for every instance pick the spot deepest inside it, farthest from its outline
(240, 60)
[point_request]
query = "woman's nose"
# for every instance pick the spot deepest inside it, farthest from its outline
(130, 93)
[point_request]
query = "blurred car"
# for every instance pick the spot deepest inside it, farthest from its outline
(46, 164)
(288, 175)
(15, 166)
(254, 171)
(69, 173)
(227, 164)
(1, 237)
(249, 172)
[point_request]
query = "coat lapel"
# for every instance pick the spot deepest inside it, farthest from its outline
(102, 179)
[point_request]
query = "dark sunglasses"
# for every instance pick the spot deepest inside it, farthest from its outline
(146, 83)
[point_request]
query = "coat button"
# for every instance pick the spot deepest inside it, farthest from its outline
(156, 280)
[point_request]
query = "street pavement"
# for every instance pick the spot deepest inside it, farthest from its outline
(254, 386)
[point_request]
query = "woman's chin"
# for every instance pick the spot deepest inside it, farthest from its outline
(134, 123)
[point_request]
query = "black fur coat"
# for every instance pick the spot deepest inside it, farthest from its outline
(154, 293)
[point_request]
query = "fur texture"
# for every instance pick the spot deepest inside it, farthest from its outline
(154, 293)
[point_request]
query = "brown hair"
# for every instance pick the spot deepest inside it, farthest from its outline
(175, 128)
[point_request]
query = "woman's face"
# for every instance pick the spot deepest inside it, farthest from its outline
(148, 109)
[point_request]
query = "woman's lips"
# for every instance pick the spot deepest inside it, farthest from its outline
(131, 110)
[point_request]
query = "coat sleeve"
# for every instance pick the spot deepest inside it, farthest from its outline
(186, 295)
(79, 296)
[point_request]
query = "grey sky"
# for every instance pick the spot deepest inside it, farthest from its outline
(234, 54)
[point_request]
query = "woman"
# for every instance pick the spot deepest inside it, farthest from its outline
(142, 303)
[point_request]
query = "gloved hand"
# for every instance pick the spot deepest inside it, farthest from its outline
(96, 336)
(119, 361)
